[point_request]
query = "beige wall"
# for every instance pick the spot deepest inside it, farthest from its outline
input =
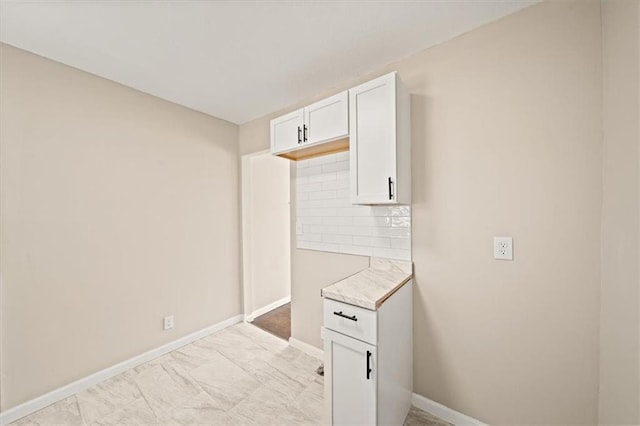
(506, 141)
(117, 209)
(266, 227)
(619, 320)
(310, 272)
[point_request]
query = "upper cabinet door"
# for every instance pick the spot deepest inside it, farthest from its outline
(327, 119)
(286, 132)
(380, 146)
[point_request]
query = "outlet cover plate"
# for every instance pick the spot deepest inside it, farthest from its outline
(168, 322)
(503, 248)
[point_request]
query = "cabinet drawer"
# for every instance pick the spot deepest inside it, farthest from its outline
(352, 321)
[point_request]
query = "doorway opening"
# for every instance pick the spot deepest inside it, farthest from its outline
(266, 242)
(277, 321)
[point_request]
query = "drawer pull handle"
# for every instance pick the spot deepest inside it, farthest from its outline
(340, 314)
(368, 365)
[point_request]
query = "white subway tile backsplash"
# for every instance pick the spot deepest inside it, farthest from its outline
(404, 222)
(338, 239)
(331, 223)
(336, 202)
(372, 242)
(325, 177)
(309, 187)
(354, 211)
(338, 220)
(395, 232)
(309, 204)
(391, 211)
(344, 193)
(367, 231)
(310, 237)
(320, 229)
(317, 212)
(322, 195)
(311, 221)
(346, 230)
(335, 167)
(372, 221)
(336, 184)
(401, 243)
(308, 171)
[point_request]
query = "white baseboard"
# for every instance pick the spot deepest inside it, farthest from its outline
(307, 348)
(270, 307)
(66, 391)
(445, 413)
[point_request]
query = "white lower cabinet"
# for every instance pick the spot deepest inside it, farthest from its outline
(353, 380)
(369, 361)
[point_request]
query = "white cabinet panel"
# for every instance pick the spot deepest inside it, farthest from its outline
(286, 132)
(354, 381)
(380, 149)
(327, 119)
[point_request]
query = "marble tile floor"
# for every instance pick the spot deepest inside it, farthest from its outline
(239, 376)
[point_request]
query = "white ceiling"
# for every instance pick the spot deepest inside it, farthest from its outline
(238, 60)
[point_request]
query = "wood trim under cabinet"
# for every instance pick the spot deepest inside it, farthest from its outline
(325, 148)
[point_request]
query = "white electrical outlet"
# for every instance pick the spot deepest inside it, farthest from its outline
(503, 248)
(299, 230)
(168, 322)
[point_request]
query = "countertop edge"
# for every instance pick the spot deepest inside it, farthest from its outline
(392, 291)
(368, 304)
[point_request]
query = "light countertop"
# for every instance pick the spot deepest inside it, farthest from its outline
(371, 287)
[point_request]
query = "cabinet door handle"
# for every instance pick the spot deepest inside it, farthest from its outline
(340, 314)
(390, 189)
(299, 136)
(368, 365)
(305, 132)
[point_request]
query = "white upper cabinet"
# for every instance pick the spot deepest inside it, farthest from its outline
(327, 120)
(373, 122)
(286, 132)
(297, 135)
(380, 142)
